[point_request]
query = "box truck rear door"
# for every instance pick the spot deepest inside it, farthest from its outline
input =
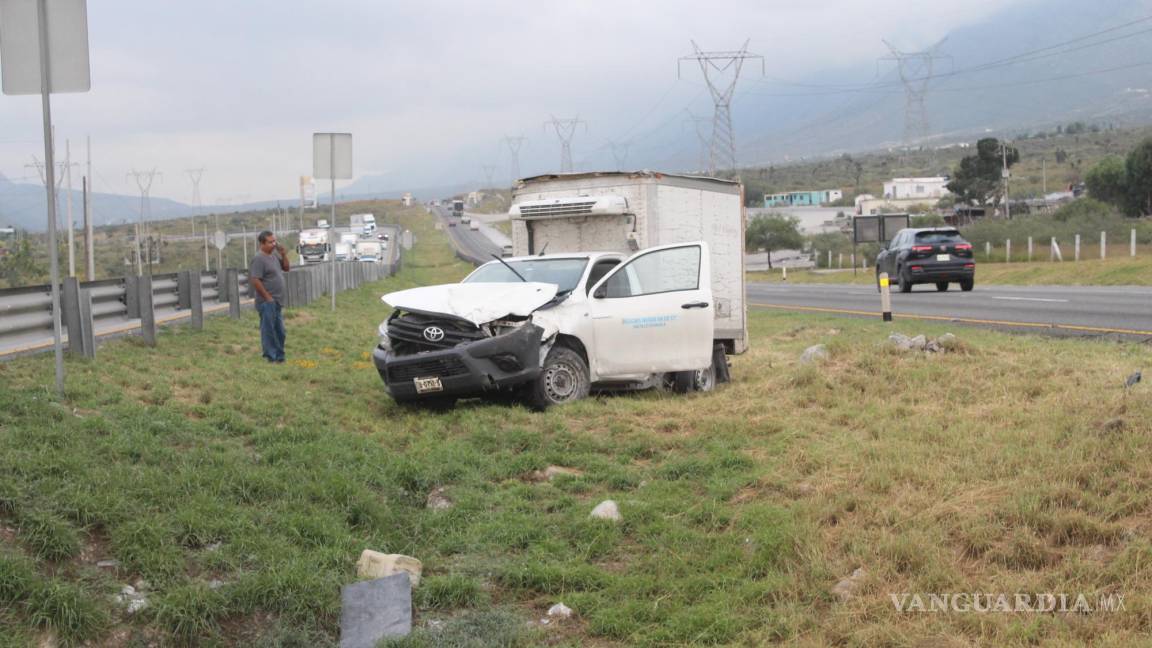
(654, 313)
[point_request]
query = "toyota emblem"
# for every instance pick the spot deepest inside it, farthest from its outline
(433, 334)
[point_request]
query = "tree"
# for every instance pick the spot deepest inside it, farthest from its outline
(1138, 168)
(18, 267)
(978, 179)
(1108, 182)
(776, 232)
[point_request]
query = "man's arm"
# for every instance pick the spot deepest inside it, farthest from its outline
(283, 257)
(259, 286)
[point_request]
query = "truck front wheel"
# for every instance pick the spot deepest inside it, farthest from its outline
(562, 379)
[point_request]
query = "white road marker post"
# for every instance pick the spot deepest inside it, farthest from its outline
(1132, 244)
(885, 298)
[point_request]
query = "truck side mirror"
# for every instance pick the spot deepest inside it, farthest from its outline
(601, 292)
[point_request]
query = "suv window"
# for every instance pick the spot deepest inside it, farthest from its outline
(937, 237)
(599, 270)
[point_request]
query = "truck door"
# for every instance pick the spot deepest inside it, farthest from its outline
(654, 313)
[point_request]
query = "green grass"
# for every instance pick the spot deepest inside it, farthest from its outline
(196, 461)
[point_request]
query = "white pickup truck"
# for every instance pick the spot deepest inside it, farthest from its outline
(551, 328)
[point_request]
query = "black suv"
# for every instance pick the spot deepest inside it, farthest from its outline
(936, 255)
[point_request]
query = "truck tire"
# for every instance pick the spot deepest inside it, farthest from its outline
(563, 378)
(703, 380)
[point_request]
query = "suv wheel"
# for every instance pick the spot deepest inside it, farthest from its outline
(942, 286)
(967, 285)
(905, 280)
(562, 379)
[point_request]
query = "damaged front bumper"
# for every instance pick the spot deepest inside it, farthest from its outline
(466, 369)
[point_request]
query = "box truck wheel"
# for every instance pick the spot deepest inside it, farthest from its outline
(703, 380)
(562, 379)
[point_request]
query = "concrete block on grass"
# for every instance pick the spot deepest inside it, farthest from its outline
(375, 609)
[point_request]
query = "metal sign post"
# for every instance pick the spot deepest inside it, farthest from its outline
(31, 62)
(332, 159)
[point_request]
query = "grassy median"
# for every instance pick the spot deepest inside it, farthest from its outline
(243, 493)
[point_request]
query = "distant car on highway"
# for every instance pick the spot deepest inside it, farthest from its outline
(934, 255)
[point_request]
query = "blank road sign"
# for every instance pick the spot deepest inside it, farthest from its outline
(332, 150)
(67, 46)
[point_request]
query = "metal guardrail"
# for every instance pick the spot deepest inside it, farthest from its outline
(138, 304)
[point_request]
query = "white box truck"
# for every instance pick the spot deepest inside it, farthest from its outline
(363, 223)
(625, 212)
(618, 281)
(370, 251)
(314, 246)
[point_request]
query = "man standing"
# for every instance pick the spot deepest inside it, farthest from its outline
(266, 276)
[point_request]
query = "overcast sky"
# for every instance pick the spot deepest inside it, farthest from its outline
(427, 88)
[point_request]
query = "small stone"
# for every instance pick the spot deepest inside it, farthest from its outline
(375, 609)
(545, 621)
(143, 585)
(137, 604)
(127, 590)
(933, 347)
(560, 610)
(946, 340)
(1115, 425)
(606, 510)
(108, 564)
(216, 584)
(846, 588)
(918, 342)
(817, 353)
(437, 500)
(214, 546)
(373, 564)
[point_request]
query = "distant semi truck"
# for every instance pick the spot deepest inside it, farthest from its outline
(458, 208)
(364, 223)
(370, 251)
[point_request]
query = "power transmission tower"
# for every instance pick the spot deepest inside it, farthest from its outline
(565, 130)
(620, 154)
(489, 170)
(144, 181)
(195, 175)
(514, 144)
(702, 137)
(721, 72)
(915, 70)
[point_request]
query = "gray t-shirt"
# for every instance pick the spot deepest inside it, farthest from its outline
(266, 268)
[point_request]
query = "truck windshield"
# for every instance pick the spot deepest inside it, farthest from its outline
(565, 273)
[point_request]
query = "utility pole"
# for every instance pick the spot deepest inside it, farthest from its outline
(71, 222)
(514, 144)
(89, 244)
(1004, 175)
(715, 66)
(195, 175)
(565, 130)
(144, 182)
(915, 70)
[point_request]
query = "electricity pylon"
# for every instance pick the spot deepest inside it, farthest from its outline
(721, 72)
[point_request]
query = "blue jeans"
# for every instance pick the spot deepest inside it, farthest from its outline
(272, 330)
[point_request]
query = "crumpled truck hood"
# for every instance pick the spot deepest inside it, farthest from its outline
(478, 303)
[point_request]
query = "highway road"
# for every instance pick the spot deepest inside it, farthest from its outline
(471, 242)
(1086, 310)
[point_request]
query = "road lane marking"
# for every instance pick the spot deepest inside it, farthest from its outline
(1038, 299)
(963, 320)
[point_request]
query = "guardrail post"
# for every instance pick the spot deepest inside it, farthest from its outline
(1076, 254)
(233, 281)
(184, 290)
(196, 299)
(147, 312)
(70, 314)
(132, 296)
(1132, 244)
(1103, 245)
(1029, 248)
(87, 326)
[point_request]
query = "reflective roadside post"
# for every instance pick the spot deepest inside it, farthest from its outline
(44, 49)
(332, 159)
(885, 297)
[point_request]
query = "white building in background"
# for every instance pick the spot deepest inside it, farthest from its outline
(407, 199)
(916, 188)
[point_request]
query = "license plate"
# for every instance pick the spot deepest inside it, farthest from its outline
(427, 385)
(943, 257)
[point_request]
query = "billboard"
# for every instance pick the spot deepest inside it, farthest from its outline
(308, 192)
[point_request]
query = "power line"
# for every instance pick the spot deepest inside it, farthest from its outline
(514, 144)
(565, 130)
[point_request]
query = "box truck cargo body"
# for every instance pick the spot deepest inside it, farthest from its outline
(628, 211)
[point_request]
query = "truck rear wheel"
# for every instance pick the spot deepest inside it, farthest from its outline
(562, 379)
(703, 380)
